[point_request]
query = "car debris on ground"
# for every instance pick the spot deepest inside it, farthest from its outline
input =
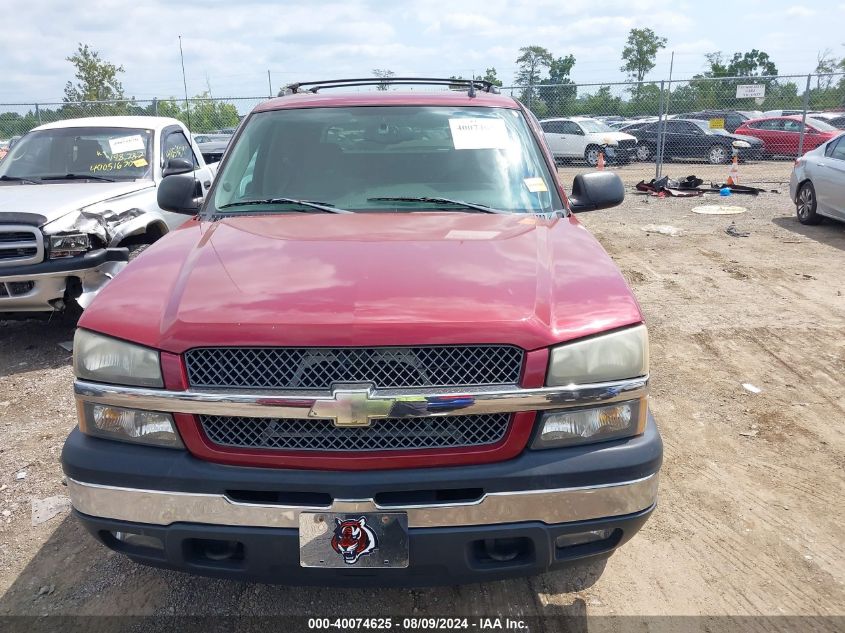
(662, 229)
(718, 209)
(691, 186)
(735, 232)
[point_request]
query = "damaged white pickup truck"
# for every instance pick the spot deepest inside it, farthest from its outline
(78, 201)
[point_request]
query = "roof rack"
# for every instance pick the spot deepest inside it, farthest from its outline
(314, 86)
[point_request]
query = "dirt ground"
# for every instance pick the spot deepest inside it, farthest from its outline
(751, 496)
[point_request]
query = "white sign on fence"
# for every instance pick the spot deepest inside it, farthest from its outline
(751, 91)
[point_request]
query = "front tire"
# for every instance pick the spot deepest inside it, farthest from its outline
(591, 155)
(717, 155)
(805, 205)
(644, 153)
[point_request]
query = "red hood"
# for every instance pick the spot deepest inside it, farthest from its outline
(367, 279)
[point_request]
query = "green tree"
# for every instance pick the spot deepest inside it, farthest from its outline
(96, 79)
(490, 75)
(558, 91)
(205, 114)
(602, 102)
(639, 53)
(826, 65)
(532, 61)
(384, 74)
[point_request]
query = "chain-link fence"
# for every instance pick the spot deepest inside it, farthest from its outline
(202, 115)
(657, 127)
(763, 121)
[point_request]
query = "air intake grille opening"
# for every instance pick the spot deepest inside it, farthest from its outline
(389, 434)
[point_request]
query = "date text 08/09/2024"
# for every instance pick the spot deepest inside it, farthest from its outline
(414, 623)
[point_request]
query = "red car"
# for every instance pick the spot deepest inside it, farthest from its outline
(781, 134)
(383, 351)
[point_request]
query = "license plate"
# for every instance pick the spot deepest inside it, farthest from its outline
(353, 540)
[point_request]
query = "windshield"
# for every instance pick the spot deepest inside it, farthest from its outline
(96, 152)
(592, 125)
(822, 126)
(351, 157)
(705, 125)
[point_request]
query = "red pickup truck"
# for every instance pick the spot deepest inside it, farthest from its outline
(383, 351)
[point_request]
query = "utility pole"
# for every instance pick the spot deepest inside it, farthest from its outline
(804, 117)
(270, 84)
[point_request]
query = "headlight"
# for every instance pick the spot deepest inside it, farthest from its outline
(128, 425)
(615, 356)
(68, 245)
(105, 359)
(598, 424)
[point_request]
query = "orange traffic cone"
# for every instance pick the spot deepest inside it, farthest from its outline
(600, 162)
(733, 173)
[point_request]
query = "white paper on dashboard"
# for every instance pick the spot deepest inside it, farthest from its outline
(476, 133)
(123, 144)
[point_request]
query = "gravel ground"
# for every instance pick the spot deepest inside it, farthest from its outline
(750, 515)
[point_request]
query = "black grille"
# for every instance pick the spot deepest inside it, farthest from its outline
(16, 236)
(385, 367)
(389, 434)
(15, 288)
(15, 253)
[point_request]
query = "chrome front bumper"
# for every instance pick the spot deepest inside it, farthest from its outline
(563, 505)
(50, 287)
(388, 403)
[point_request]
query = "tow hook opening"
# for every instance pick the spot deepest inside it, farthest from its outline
(497, 552)
(214, 552)
(575, 544)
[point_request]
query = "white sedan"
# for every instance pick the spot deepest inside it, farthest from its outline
(817, 185)
(583, 137)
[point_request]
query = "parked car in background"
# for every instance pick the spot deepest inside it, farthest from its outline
(817, 184)
(212, 146)
(836, 119)
(694, 138)
(6, 145)
(584, 137)
(636, 124)
(781, 135)
(78, 200)
(731, 118)
(771, 113)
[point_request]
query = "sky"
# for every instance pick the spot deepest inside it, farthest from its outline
(229, 45)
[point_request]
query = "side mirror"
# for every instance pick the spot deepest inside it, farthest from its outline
(176, 194)
(596, 190)
(176, 166)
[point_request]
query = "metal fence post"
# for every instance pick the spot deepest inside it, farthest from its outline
(155, 106)
(804, 116)
(661, 125)
(38, 113)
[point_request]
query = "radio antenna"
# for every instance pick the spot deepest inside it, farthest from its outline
(185, 85)
(190, 139)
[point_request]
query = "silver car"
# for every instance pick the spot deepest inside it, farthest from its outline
(817, 185)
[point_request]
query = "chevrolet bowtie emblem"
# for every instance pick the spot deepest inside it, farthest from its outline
(351, 407)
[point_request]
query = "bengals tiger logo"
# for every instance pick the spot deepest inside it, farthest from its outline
(353, 538)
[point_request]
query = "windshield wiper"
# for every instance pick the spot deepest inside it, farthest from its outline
(310, 204)
(79, 177)
(30, 179)
(458, 203)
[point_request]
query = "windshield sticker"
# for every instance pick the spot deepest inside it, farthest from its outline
(124, 144)
(476, 133)
(535, 185)
(141, 162)
(471, 235)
